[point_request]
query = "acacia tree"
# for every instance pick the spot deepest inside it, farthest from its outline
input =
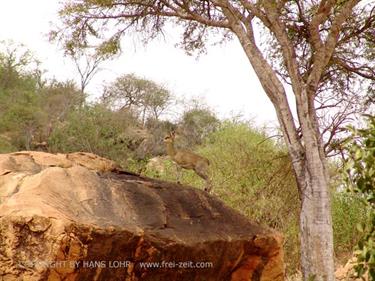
(319, 44)
(87, 66)
(138, 95)
(88, 58)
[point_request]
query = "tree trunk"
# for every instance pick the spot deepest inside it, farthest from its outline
(309, 166)
(308, 163)
(315, 223)
(316, 232)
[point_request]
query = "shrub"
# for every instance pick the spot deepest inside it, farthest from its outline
(359, 178)
(348, 211)
(93, 129)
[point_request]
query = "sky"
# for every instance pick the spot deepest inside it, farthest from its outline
(223, 77)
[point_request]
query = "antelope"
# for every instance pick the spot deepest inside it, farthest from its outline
(187, 160)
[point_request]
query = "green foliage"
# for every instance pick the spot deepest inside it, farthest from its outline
(196, 124)
(18, 67)
(254, 176)
(348, 211)
(109, 48)
(6, 146)
(60, 98)
(20, 114)
(250, 165)
(92, 129)
(359, 175)
(21, 120)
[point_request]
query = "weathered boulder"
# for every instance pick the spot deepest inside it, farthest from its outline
(157, 165)
(77, 217)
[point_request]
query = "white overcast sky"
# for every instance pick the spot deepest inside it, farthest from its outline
(223, 77)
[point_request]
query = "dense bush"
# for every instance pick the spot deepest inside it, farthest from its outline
(6, 146)
(93, 129)
(254, 176)
(359, 176)
(20, 114)
(348, 211)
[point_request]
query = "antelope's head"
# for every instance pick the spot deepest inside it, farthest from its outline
(169, 138)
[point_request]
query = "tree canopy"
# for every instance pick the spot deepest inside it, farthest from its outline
(141, 96)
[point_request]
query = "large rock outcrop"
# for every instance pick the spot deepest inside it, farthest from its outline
(77, 217)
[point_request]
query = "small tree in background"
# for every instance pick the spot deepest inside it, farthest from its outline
(196, 124)
(20, 114)
(87, 65)
(18, 67)
(58, 100)
(144, 97)
(88, 59)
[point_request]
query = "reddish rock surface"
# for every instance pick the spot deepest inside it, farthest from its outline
(77, 217)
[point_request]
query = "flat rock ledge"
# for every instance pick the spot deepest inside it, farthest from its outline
(78, 217)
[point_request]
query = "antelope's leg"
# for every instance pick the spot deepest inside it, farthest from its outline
(178, 173)
(203, 173)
